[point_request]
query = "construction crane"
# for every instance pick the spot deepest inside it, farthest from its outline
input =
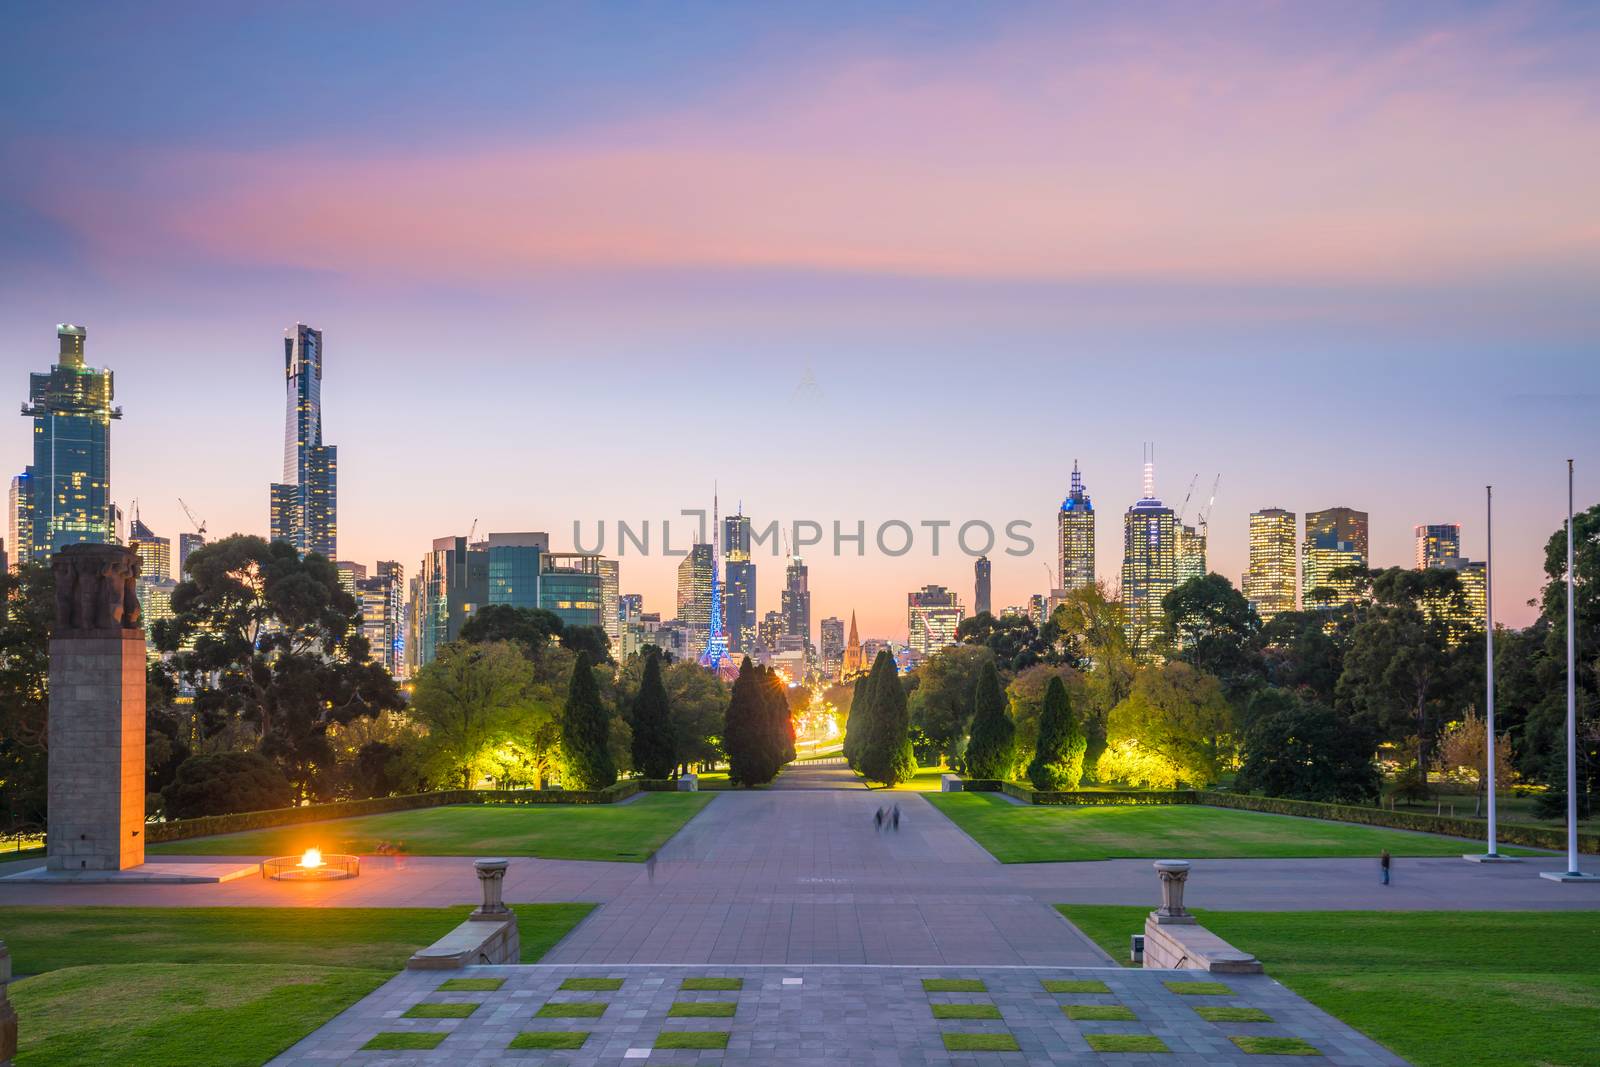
(1192, 483)
(1205, 512)
(198, 524)
(472, 531)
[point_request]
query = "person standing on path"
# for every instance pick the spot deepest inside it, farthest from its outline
(1383, 865)
(877, 821)
(896, 818)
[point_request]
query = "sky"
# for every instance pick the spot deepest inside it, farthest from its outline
(581, 263)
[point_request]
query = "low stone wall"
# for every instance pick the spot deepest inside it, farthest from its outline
(473, 942)
(1192, 948)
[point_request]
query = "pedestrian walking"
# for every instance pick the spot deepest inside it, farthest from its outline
(650, 868)
(896, 818)
(1383, 865)
(877, 821)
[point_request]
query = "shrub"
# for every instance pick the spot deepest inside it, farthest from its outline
(1058, 758)
(225, 783)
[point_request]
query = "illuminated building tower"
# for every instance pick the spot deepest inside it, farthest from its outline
(850, 664)
(796, 600)
(516, 561)
(771, 629)
(155, 553)
(68, 487)
(1076, 542)
(610, 590)
(305, 503)
(452, 584)
(933, 614)
(572, 588)
(831, 641)
(1269, 584)
(1437, 543)
(396, 621)
(980, 585)
(739, 588)
(694, 593)
(1189, 552)
(187, 543)
(1149, 560)
(349, 574)
(716, 639)
(1335, 541)
(630, 622)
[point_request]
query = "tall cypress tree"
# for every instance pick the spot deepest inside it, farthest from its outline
(991, 745)
(855, 722)
(780, 723)
(885, 754)
(747, 734)
(654, 748)
(584, 726)
(1058, 757)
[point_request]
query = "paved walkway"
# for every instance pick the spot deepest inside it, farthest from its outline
(830, 1016)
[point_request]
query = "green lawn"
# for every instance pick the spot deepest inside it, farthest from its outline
(213, 987)
(628, 832)
(1049, 833)
(1493, 989)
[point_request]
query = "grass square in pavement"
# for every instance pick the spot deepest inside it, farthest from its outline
(440, 1011)
(1099, 1013)
(701, 1009)
(953, 985)
(1232, 1015)
(719, 985)
(1275, 1046)
(965, 1011)
(407, 1041)
(692, 1039)
(471, 985)
(571, 1009)
(592, 985)
(549, 1039)
(1074, 985)
(1199, 989)
(954, 1042)
(1126, 1043)
(1403, 978)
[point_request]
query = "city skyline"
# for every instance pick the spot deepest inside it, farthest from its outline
(1057, 234)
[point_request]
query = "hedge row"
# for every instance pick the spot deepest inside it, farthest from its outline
(206, 826)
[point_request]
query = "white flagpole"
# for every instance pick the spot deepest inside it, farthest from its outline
(1572, 873)
(1488, 647)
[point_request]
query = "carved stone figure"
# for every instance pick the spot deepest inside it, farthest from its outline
(95, 589)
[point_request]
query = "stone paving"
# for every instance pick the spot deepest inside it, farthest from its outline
(830, 1016)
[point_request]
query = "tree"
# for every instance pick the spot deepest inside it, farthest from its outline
(1464, 747)
(747, 733)
(1296, 650)
(1173, 727)
(1058, 759)
(654, 749)
(585, 732)
(1209, 624)
(991, 745)
(941, 706)
(1401, 675)
(1013, 640)
(855, 723)
(1025, 699)
(269, 640)
(27, 614)
(225, 783)
(1092, 630)
(885, 754)
(533, 628)
(1301, 749)
(780, 719)
(470, 699)
(588, 639)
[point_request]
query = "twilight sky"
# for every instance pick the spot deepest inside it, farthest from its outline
(575, 262)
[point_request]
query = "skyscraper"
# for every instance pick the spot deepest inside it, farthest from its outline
(1189, 552)
(1149, 559)
(980, 583)
(739, 585)
(694, 593)
(610, 590)
(155, 553)
(515, 563)
(796, 600)
(1436, 543)
(187, 543)
(64, 497)
(305, 504)
(396, 619)
(933, 614)
(1269, 584)
(831, 646)
(1076, 541)
(1335, 539)
(850, 665)
(572, 587)
(452, 584)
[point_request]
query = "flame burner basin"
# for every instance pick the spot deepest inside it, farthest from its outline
(333, 868)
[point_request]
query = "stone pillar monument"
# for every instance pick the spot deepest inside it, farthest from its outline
(97, 733)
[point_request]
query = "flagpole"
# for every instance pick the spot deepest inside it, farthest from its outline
(1572, 873)
(1488, 652)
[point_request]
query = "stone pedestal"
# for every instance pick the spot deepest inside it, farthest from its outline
(97, 730)
(491, 879)
(1173, 874)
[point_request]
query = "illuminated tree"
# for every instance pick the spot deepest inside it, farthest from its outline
(991, 747)
(585, 732)
(1058, 759)
(885, 754)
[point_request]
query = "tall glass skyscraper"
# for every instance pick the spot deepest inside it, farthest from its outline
(796, 600)
(933, 615)
(1335, 539)
(1076, 555)
(739, 584)
(1436, 543)
(1269, 584)
(694, 593)
(305, 503)
(65, 496)
(981, 573)
(1149, 560)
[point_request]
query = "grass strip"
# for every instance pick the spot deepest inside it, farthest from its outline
(1232, 1015)
(953, 985)
(965, 1011)
(979, 1042)
(572, 1009)
(406, 1041)
(1126, 1043)
(1199, 989)
(440, 1011)
(712, 984)
(592, 985)
(550, 1039)
(1275, 1046)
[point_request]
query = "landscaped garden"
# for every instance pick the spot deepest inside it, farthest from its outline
(213, 987)
(1492, 989)
(623, 832)
(1049, 833)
